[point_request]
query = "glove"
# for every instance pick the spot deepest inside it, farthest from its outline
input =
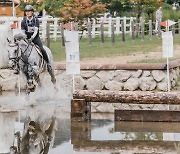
(30, 40)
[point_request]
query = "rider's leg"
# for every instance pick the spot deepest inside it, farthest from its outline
(45, 56)
(38, 42)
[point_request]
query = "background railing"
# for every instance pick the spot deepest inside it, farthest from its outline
(99, 27)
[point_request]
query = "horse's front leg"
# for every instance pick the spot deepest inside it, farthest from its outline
(38, 80)
(53, 79)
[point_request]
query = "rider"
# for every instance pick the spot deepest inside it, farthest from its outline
(30, 24)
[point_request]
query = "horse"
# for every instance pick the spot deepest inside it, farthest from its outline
(27, 57)
(36, 139)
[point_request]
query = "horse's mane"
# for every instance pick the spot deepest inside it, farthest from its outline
(19, 36)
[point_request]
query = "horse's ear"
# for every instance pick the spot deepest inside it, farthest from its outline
(8, 40)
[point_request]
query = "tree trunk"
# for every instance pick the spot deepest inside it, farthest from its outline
(134, 97)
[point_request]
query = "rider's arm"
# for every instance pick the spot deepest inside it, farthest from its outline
(36, 28)
(35, 32)
(23, 27)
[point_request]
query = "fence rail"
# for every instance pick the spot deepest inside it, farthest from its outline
(97, 27)
(55, 25)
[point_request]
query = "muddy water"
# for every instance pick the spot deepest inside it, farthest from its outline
(43, 116)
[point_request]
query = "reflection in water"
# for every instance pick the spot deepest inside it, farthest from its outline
(6, 130)
(124, 137)
(35, 140)
(45, 127)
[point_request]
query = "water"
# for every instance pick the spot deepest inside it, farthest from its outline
(100, 136)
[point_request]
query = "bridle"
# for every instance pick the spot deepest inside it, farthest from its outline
(16, 57)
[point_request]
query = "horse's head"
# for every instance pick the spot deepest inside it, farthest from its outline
(13, 54)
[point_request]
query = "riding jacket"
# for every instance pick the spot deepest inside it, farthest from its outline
(31, 27)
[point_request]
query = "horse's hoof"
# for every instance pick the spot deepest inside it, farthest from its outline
(33, 89)
(53, 80)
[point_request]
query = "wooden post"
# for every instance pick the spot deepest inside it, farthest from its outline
(102, 32)
(159, 29)
(132, 29)
(80, 110)
(142, 29)
(179, 26)
(62, 36)
(150, 29)
(113, 34)
(48, 34)
(173, 30)
(76, 26)
(123, 31)
(89, 33)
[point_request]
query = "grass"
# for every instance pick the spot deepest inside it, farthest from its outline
(97, 49)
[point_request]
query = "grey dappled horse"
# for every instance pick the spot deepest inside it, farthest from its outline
(25, 55)
(36, 139)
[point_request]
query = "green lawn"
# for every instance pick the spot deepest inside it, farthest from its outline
(97, 49)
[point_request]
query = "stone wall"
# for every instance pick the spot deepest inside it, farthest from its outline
(126, 77)
(129, 77)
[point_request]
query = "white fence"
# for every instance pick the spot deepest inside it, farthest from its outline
(55, 28)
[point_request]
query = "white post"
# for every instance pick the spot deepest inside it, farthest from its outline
(72, 54)
(19, 23)
(124, 24)
(55, 28)
(44, 22)
(168, 79)
(13, 9)
(167, 42)
(117, 25)
(93, 27)
(4, 33)
(131, 20)
(109, 26)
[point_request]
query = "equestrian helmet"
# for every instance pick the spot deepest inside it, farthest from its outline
(29, 8)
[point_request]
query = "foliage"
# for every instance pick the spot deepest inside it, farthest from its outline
(171, 1)
(37, 4)
(147, 6)
(118, 6)
(80, 10)
(171, 14)
(53, 6)
(167, 6)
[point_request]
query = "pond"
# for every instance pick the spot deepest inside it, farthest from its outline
(45, 121)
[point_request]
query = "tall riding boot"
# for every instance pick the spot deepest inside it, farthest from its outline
(45, 56)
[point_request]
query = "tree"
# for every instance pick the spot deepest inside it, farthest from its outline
(51, 6)
(147, 6)
(37, 4)
(171, 1)
(80, 10)
(118, 6)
